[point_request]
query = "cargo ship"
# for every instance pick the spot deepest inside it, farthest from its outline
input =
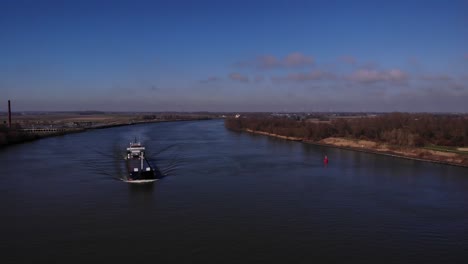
(138, 167)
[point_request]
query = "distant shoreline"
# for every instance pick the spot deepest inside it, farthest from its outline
(23, 137)
(376, 148)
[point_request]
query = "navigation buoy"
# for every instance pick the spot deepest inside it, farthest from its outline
(325, 161)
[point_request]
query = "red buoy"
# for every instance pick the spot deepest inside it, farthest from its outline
(325, 160)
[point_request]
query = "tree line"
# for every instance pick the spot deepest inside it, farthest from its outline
(403, 129)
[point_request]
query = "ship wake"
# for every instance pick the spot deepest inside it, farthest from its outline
(111, 165)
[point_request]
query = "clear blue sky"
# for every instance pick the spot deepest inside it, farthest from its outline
(234, 55)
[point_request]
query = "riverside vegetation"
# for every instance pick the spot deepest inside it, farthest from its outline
(439, 138)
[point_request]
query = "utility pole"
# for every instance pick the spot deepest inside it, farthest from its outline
(9, 114)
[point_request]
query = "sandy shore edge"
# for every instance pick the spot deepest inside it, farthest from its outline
(419, 154)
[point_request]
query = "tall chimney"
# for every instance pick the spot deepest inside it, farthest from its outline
(9, 114)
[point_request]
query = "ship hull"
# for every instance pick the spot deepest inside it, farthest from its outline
(143, 175)
(138, 173)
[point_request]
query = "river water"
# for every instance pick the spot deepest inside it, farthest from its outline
(229, 198)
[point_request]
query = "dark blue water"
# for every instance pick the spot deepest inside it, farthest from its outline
(230, 198)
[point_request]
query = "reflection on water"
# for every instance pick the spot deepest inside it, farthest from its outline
(141, 195)
(229, 197)
(141, 189)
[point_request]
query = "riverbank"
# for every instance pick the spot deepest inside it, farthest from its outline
(273, 135)
(413, 153)
(20, 135)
